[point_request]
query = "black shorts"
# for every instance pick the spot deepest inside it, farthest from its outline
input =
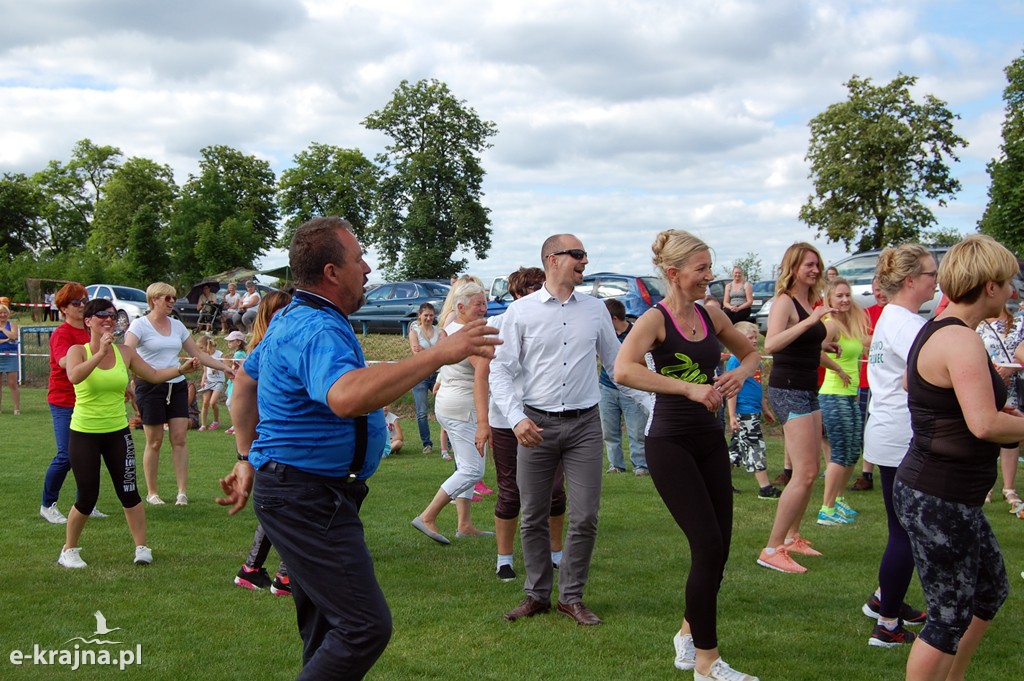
(161, 402)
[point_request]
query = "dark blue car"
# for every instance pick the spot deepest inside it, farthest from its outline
(390, 308)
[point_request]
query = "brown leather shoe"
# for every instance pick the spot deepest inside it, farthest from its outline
(528, 608)
(862, 484)
(580, 613)
(781, 480)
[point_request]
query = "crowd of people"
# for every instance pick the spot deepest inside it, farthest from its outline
(939, 420)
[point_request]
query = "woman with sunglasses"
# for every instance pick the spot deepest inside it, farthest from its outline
(70, 300)
(98, 370)
(159, 339)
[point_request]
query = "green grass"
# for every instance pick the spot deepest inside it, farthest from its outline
(447, 605)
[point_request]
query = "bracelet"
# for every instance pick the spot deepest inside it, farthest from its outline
(242, 457)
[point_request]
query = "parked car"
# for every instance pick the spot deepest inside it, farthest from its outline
(498, 305)
(764, 290)
(716, 289)
(859, 270)
(391, 307)
(186, 312)
(638, 294)
(130, 303)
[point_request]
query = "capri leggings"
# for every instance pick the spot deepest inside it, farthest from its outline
(843, 425)
(691, 473)
(961, 568)
(117, 450)
(505, 451)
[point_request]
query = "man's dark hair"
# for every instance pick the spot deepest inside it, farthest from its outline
(615, 308)
(314, 245)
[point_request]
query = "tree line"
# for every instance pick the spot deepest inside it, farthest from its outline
(102, 217)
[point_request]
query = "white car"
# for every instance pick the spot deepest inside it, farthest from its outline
(130, 303)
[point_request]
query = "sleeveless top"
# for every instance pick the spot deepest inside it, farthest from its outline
(455, 396)
(425, 343)
(685, 360)
(12, 344)
(851, 350)
(795, 367)
(737, 296)
(99, 399)
(945, 459)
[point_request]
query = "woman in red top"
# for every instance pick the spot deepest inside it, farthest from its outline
(70, 300)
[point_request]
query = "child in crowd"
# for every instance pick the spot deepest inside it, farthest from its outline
(395, 436)
(212, 387)
(236, 343)
(747, 447)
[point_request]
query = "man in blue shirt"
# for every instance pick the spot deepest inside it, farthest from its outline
(310, 430)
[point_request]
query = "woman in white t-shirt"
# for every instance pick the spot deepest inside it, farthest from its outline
(907, 274)
(456, 412)
(159, 339)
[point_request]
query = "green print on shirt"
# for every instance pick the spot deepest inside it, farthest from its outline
(687, 370)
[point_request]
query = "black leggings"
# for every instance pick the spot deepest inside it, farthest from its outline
(691, 473)
(117, 450)
(897, 566)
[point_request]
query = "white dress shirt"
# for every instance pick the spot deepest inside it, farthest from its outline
(553, 344)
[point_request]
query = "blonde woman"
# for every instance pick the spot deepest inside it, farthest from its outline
(847, 327)
(159, 339)
(9, 356)
(738, 297)
(794, 339)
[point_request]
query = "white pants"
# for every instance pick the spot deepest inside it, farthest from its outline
(469, 465)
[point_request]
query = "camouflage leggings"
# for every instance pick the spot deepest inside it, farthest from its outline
(958, 561)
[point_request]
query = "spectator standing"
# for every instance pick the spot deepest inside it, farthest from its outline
(9, 357)
(423, 335)
(53, 313)
(617, 407)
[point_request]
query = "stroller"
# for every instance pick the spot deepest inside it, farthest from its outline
(209, 317)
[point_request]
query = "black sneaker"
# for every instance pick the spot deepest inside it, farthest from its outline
(506, 573)
(770, 492)
(881, 637)
(911, 616)
(249, 578)
(281, 586)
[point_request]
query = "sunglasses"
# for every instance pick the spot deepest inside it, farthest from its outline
(105, 314)
(79, 303)
(577, 253)
(168, 299)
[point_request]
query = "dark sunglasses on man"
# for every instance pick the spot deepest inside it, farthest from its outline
(577, 253)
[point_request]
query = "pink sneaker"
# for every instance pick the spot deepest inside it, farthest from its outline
(481, 488)
(477, 497)
(202, 428)
(781, 561)
(802, 547)
(230, 431)
(214, 426)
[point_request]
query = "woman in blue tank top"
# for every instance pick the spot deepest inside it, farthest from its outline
(687, 455)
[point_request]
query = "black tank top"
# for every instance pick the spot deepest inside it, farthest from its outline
(945, 459)
(795, 367)
(690, 361)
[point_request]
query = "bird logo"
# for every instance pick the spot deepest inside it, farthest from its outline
(101, 630)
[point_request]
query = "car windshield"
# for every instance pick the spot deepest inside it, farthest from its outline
(435, 289)
(131, 295)
(766, 286)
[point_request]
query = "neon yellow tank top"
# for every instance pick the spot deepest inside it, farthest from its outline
(848, 361)
(99, 399)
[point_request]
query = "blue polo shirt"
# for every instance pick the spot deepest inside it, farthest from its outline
(303, 353)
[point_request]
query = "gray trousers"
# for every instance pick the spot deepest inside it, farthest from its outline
(576, 443)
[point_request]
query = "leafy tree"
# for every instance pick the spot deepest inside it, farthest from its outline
(145, 259)
(941, 237)
(750, 264)
(72, 192)
(138, 186)
(226, 213)
(1004, 215)
(874, 159)
(21, 227)
(327, 180)
(428, 204)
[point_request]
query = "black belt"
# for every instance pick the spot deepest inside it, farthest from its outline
(567, 414)
(284, 471)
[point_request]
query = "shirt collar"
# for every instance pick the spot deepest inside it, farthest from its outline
(544, 296)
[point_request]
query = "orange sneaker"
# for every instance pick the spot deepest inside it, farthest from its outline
(781, 561)
(802, 547)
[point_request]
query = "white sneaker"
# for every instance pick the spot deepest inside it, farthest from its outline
(686, 652)
(69, 558)
(97, 513)
(52, 514)
(143, 555)
(182, 500)
(154, 500)
(720, 671)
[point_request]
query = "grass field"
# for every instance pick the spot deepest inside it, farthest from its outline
(191, 623)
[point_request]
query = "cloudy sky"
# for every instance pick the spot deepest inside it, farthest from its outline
(616, 118)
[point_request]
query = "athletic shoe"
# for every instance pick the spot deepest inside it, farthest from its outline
(281, 586)
(833, 518)
(69, 558)
(781, 480)
(182, 499)
(52, 514)
(428, 449)
(909, 614)
(772, 493)
(481, 488)
(881, 637)
(253, 579)
(143, 555)
(201, 429)
(154, 500)
(641, 472)
(477, 497)
(506, 573)
(615, 469)
(686, 652)
(720, 671)
(845, 509)
(862, 484)
(781, 561)
(801, 547)
(230, 431)
(214, 426)
(97, 513)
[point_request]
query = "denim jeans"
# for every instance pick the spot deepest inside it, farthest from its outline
(421, 396)
(60, 465)
(616, 406)
(313, 521)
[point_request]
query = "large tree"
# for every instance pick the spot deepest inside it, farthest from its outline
(328, 180)
(226, 216)
(429, 201)
(1004, 215)
(21, 225)
(875, 159)
(139, 185)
